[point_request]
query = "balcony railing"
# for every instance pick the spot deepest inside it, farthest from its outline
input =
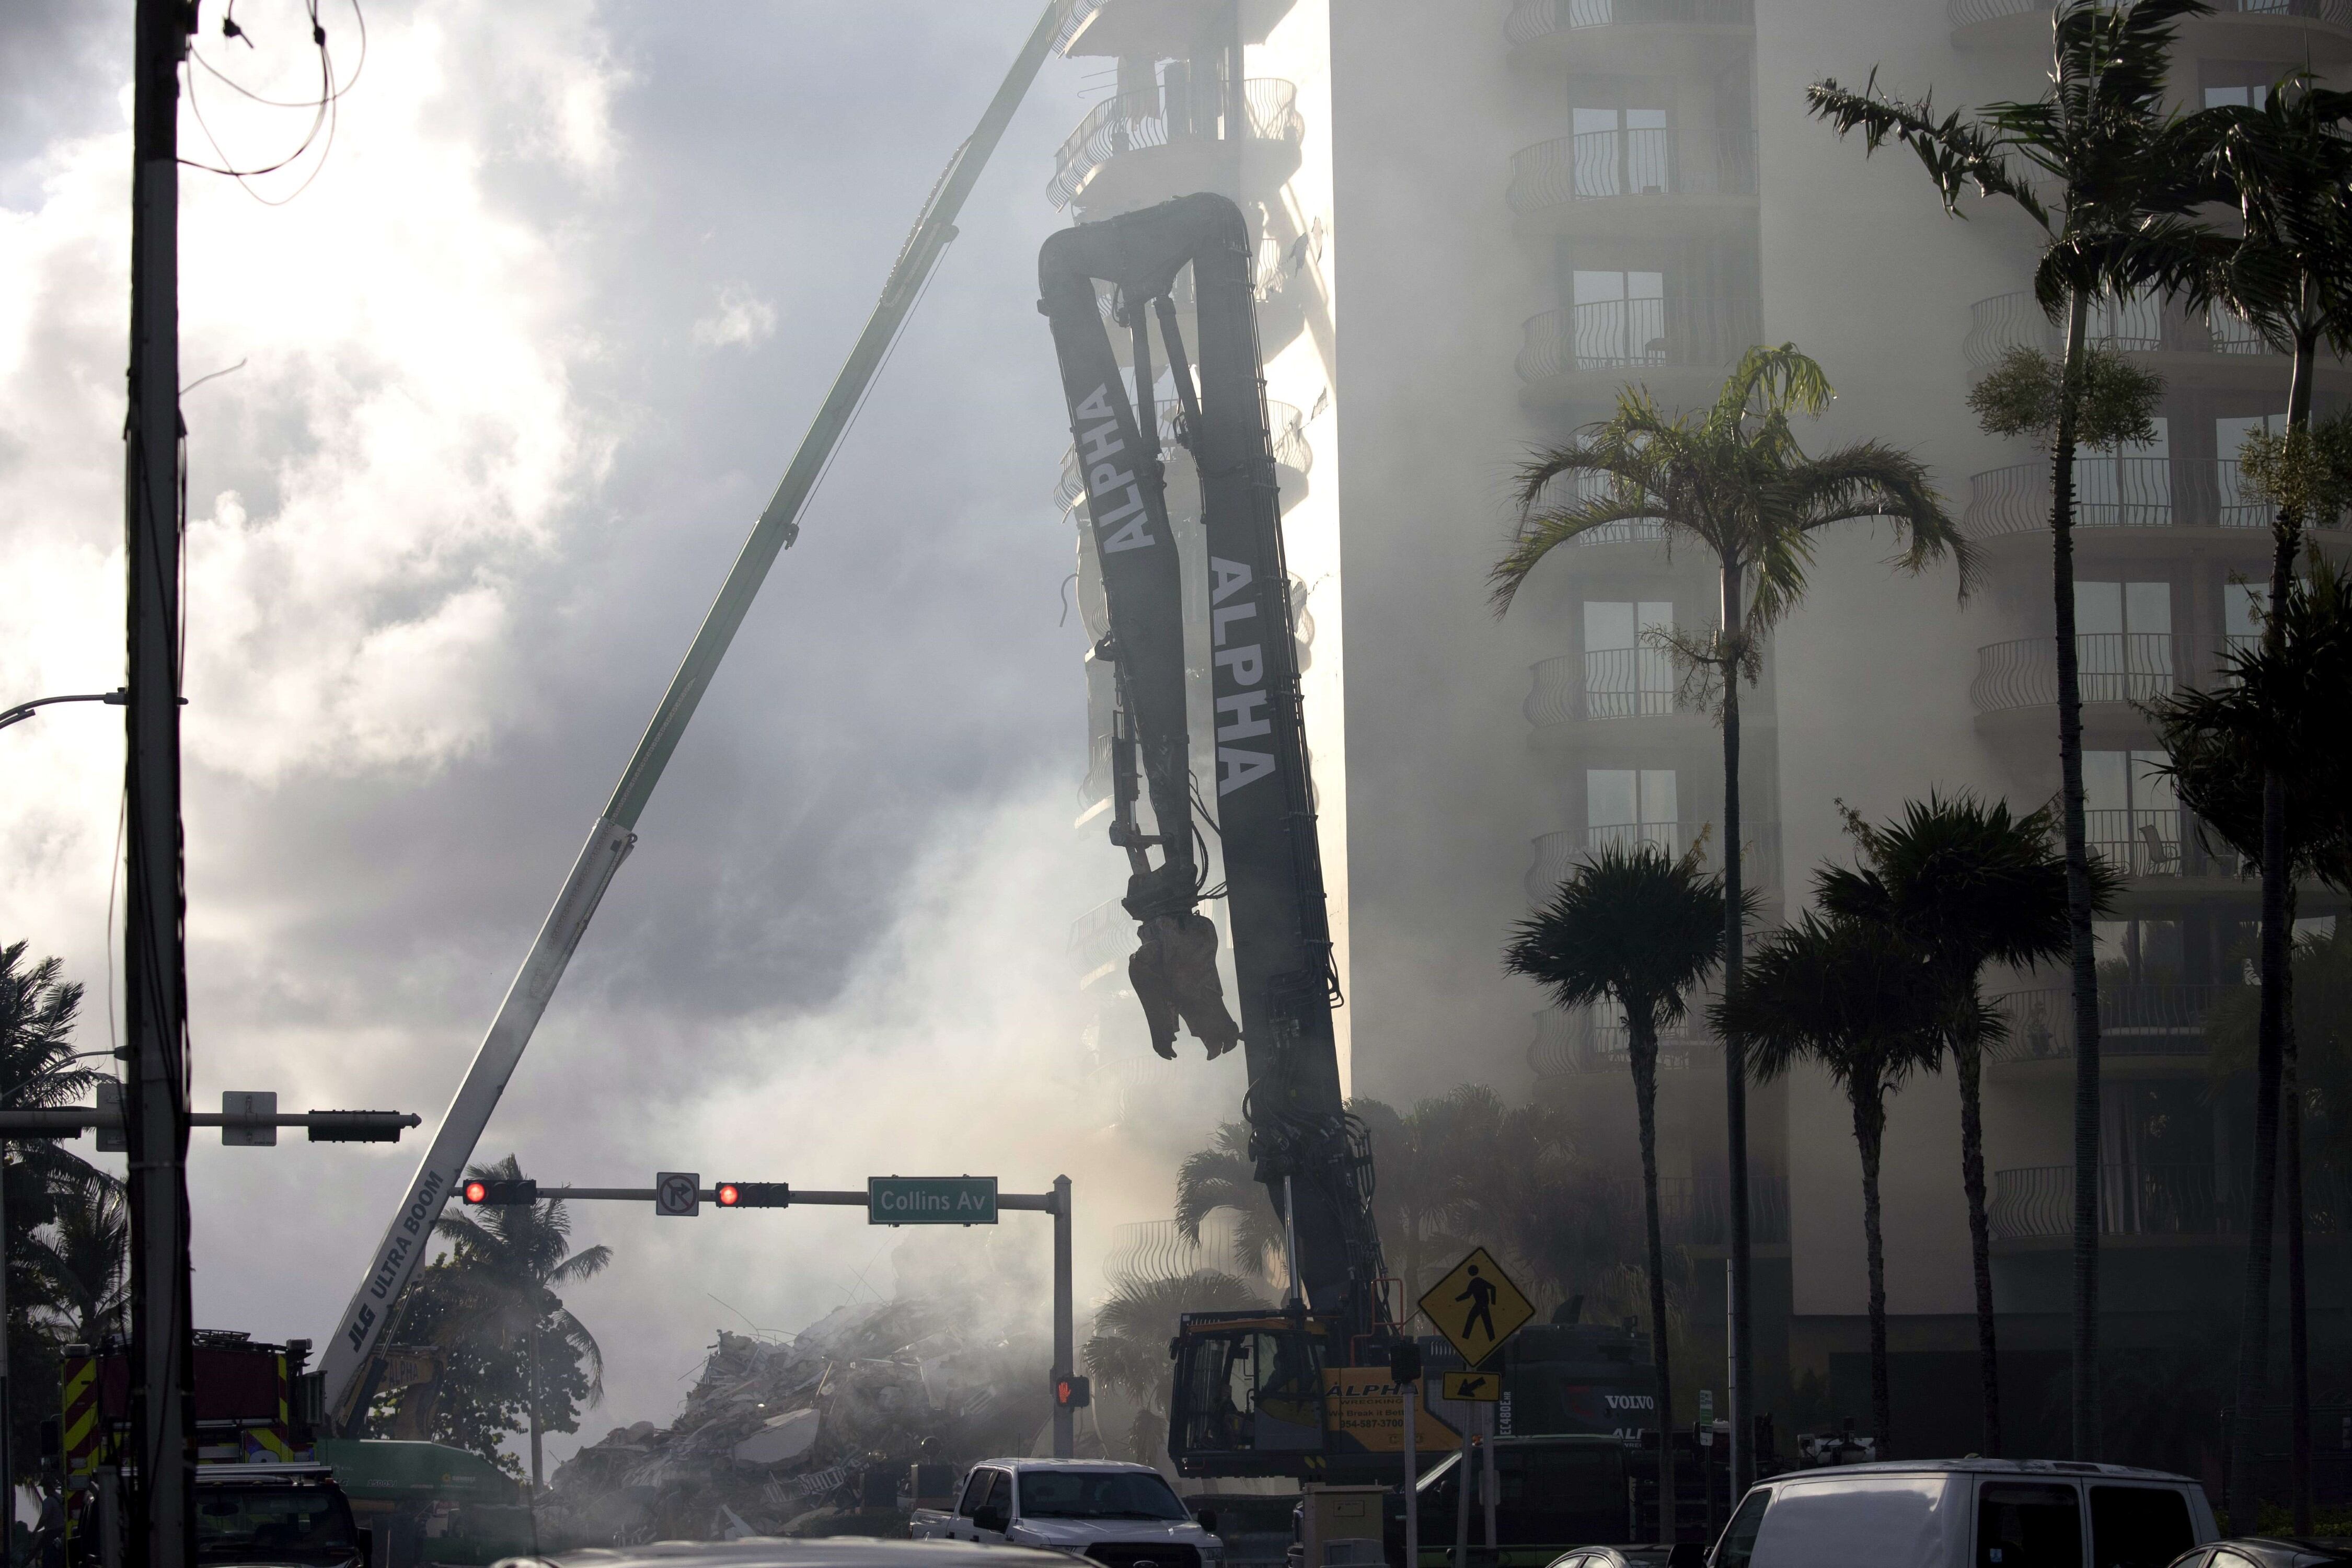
(1286, 424)
(2117, 493)
(1696, 1211)
(2137, 325)
(1630, 335)
(1661, 162)
(2134, 1020)
(2037, 1203)
(1533, 19)
(1161, 116)
(2113, 666)
(1577, 1041)
(1559, 854)
(1967, 12)
(1604, 683)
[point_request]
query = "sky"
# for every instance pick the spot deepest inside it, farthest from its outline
(498, 380)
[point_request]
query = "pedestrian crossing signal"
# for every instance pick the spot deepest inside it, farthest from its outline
(1073, 1392)
(479, 1194)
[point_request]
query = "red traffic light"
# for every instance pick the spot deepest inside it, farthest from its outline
(1073, 1392)
(477, 1192)
(755, 1194)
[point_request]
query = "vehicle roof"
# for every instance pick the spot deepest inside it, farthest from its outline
(223, 1474)
(1036, 1464)
(781, 1552)
(2044, 1468)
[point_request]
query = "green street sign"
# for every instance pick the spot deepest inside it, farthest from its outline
(930, 1200)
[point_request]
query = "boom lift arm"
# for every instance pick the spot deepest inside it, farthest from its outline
(351, 1348)
(1311, 1156)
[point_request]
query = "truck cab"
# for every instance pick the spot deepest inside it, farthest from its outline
(1121, 1515)
(288, 1514)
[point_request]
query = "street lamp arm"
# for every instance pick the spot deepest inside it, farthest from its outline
(23, 710)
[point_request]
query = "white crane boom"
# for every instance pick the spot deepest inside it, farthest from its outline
(395, 1259)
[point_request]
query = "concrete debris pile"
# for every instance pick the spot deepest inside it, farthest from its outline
(809, 1434)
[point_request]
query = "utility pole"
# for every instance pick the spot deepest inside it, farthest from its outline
(156, 1091)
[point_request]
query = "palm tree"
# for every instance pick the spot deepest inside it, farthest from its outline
(1128, 1348)
(1224, 1176)
(88, 1259)
(1857, 999)
(1418, 1201)
(1735, 480)
(1969, 884)
(2126, 173)
(1632, 927)
(510, 1261)
(2263, 760)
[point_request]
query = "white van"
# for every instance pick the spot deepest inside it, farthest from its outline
(1967, 1514)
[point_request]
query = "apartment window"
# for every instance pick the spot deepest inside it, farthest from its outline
(1625, 675)
(1621, 151)
(2125, 485)
(2241, 84)
(2131, 814)
(2241, 508)
(1620, 318)
(2243, 605)
(2138, 953)
(2123, 640)
(1626, 807)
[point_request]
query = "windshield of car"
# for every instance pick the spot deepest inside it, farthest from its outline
(1098, 1494)
(274, 1525)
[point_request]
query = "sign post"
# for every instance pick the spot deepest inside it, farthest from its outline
(1477, 1307)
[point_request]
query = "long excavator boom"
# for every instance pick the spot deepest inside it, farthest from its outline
(1311, 1157)
(350, 1349)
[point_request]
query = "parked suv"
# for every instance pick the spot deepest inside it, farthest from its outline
(1967, 1514)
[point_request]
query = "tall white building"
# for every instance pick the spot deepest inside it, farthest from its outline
(1478, 221)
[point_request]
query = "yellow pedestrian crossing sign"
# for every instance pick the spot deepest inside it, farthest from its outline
(1477, 1387)
(1476, 1307)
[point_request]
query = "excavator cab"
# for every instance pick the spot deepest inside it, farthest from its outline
(1250, 1395)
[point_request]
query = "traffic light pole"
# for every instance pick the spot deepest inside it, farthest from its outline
(732, 1195)
(1065, 1414)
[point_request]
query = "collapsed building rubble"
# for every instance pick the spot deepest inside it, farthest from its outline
(811, 1434)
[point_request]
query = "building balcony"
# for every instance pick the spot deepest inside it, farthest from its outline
(1293, 457)
(2141, 506)
(1587, 352)
(1162, 141)
(1557, 855)
(1666, 181)
(1618, 683)
(1634, 37)
(2147, 1023)
(2211, 348)
(2157, 1204)
(1100, 940)
(2121, 668)
(2239, 29)
(1127, 30)
(1695, 1211)
(1572, 1042)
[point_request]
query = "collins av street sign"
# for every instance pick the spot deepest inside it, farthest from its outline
(930, 1200)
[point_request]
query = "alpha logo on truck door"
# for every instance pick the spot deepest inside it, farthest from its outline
(1241, 712)
(1098, 448)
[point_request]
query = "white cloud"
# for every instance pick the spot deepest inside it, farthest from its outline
(739, 316)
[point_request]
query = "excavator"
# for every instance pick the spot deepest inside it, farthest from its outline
(1304, 1391)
